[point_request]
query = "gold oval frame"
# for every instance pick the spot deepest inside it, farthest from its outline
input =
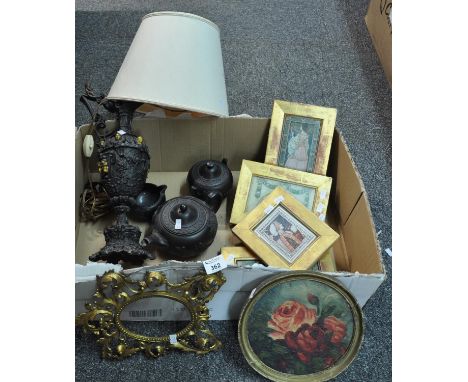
(321, 376)
(115, 291)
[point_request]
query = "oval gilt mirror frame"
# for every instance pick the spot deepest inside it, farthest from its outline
(116, 291)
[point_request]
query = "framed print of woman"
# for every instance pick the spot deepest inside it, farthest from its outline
(289, 237)
(300, 136)
(297, 156)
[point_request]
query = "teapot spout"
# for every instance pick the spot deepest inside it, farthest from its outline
(155, 240)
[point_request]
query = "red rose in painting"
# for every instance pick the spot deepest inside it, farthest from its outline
(337, 327)
(307, 340)
(289, 317)
(316, 340)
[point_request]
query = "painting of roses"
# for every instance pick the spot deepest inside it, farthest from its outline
(300, 327)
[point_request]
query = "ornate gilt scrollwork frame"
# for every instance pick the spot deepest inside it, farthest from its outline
(115, 291)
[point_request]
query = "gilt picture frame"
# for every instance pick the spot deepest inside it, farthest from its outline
(239, 256)
(300, 326)
(285, 234)
(300, 136)
(242, 256)
(257, 180)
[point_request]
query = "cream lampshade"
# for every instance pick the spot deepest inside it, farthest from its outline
(174, 61)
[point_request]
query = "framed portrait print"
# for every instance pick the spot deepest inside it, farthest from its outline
(300, 136)
(285, 234)
(257, 180)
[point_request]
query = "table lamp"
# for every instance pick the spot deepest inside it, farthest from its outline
(174, 62)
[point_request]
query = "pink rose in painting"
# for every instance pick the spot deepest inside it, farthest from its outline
(289, 317)
(337, 327)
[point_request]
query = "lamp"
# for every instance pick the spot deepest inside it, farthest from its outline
(174, 61)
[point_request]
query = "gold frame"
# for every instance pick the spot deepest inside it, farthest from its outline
(321, 184)
(327, 116)
(233, 255)
(311, 254)
(115, 291)
(324, 375)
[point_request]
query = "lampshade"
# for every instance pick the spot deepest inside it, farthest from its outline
(174, 61)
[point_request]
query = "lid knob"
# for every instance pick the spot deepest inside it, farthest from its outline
(182, 208)
(210, 170)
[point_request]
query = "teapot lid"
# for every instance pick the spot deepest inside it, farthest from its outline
(184, 215)
(211, 173)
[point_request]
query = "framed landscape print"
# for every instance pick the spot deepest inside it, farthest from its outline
(300, 326)
(300, 136)
(257, 180)
(285, 234)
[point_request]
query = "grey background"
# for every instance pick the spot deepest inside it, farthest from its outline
(317, 52)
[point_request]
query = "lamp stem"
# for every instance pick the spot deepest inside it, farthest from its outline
(125, 115)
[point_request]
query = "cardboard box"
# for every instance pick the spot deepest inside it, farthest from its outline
(379, 23)
(174, 146)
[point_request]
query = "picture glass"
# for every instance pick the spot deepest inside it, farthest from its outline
(246, 262)
(300, 326)
(299, 143)
(284, 234)
(260, 187)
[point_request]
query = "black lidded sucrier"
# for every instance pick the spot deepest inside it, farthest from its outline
(210, 180)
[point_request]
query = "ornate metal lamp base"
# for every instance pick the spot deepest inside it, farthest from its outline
(122, 242)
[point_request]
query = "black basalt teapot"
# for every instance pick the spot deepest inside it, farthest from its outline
(183, 227)
(210, 180)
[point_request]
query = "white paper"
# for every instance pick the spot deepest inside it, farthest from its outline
(121, 132)
(178, 224)
(268, 209)
(214, 264)
(320, 207)
(172, 338)
(279, 199)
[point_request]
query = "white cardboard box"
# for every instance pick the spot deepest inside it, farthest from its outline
(174, 146)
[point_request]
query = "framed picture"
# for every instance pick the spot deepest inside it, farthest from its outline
(257, 180)
(300, 326)
(284, 234)
(242, 256)
(300, 136)
(239, 256)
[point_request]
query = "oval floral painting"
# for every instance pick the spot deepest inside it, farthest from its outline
(300, 325)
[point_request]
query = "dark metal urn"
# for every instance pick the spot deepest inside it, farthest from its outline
(210, 180)
(123, 162)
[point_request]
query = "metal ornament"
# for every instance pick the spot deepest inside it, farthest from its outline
(123, 162)
(115, 291)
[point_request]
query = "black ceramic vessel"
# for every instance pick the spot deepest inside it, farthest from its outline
(147, 201)
(210, 181)
(123, 162)
(183, 227)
